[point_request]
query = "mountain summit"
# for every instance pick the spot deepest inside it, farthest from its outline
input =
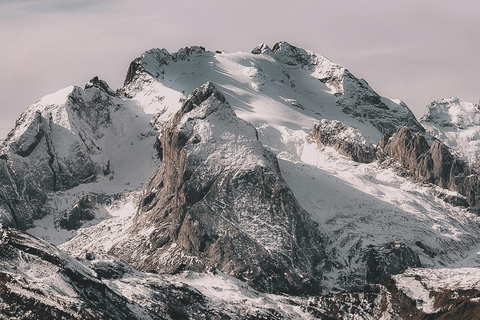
(271, 184)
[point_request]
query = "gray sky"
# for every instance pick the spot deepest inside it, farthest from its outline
(413, 50)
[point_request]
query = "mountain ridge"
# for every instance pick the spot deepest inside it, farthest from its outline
(169, 189)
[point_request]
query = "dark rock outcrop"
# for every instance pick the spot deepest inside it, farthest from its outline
(360, 101)
(218, 201)
(390, 259)
(431, 164)
(82, 210)
(261, 49)
(346, 140)
(101, 84)
(37, 281)
(152, 62)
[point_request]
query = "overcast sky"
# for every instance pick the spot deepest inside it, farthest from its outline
(412, 50)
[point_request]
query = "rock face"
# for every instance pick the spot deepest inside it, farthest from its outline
(390, 259)
(218, 201)
(70, 138)
(81, 211)
(42, 154)
(456, 124)
(431, 164)
(37, 281)
(154, 60)
(346, 140)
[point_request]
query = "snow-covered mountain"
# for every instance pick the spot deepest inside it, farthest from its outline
(457, 124)
(235, 177)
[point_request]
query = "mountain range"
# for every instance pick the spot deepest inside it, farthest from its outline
(265, 185)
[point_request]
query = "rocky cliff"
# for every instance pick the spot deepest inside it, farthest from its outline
(218, 201)
(47, 152)
(71, 138)
(346, 140)
(432, 163)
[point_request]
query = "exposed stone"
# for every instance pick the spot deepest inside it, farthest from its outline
(98, 83)
(262, 48)
(360, 101)
(81, 211)
(291, 55)
(390, 259)
(432, 164)
(23, 296)
(218, 201)
(346, 140)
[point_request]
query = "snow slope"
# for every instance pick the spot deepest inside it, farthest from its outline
(457, 124)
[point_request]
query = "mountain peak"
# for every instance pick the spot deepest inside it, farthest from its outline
(291, 55)
(452, 112)
(261, 49)
(208, 154)
(100, 84)
(456, 123)
(200, 95)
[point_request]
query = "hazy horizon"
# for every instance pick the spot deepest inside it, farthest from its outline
(416, 52)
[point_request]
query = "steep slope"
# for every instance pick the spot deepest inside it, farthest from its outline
(289, 86)
(66, 141)
(456, 123)
(218, 201)
(432, 164)
(37, 281)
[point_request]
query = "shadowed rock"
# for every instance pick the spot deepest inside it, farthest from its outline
(218, 201)
(346, 140)
(431, 164)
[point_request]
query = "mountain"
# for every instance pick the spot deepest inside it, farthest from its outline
(455, 123)
(264, 185)
(218, 201)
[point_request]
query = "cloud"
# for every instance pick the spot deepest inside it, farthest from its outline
(44, 6)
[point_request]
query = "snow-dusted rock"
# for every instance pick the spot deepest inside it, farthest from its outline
(457, 124)
(354, 96)
(346, 140)
(67, 139)
(218, 201)
(37, 281)
(432, 164)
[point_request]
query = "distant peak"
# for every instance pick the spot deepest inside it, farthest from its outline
(186, 52)
(261, 49)
(100, 84)
(291, 55)
(451, 100)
